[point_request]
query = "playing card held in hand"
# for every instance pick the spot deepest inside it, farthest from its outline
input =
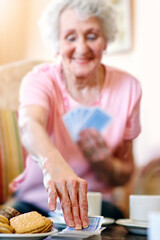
(85, 117)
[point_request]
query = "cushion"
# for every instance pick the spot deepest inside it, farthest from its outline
(12, 153)
(149, 178)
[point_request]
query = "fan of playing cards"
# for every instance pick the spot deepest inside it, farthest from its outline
(85, 117)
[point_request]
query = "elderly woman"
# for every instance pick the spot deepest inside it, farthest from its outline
(78, 31)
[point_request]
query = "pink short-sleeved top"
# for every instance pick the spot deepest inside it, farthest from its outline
(120, 98)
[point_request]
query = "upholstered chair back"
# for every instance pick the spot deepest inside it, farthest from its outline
(11, 75)
(12, 153)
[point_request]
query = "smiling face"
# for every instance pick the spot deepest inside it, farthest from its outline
(81, 44)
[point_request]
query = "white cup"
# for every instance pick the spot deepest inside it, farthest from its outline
(140, 207)
(153, 232)
(94, 203)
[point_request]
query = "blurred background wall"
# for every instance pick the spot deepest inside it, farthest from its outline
(20, 39)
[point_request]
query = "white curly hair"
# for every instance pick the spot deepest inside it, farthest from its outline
(49, 20)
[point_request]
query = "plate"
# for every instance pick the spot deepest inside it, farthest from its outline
(133, 227)
(107, 221)
(60, 223)
(32, 236)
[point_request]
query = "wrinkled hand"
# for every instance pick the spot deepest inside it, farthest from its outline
(93, 145)
(96, 153)
(60, 181)
(111, 168)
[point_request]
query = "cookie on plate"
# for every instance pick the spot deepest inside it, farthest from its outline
(9, 212)
(31, 222)
(46, 228)
(3, 219)
(5, 228)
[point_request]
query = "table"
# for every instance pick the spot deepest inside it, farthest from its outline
(112, 232)
(115, 232)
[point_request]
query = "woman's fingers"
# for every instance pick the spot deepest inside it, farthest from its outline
(66, 203)
(72, 192)
(73, 197)
(74, 200)
(73, 188)
(59, 189)
(83, 203)
(52, 195)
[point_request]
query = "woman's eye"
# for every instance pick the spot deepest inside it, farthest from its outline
(70, 38)
(91, 36)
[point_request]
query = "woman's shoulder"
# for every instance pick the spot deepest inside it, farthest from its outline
(117, 71)
(46, 67)
(122, 82)
(119, 76)
(43, 73)
(44, 77)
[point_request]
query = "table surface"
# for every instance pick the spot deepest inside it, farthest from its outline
(112, 232)
(115, 232)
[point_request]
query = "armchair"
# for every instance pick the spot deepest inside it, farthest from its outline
(12, 153)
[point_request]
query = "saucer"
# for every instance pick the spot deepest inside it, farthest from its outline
(107, 221)
(60, 223)
(133, 227)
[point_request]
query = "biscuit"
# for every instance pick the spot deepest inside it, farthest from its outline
(49, 225)
(9, 212)
(46, 228)
(3, 219)
(5, 228)
(28, 222)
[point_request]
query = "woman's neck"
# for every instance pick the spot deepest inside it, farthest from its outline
(85, 90)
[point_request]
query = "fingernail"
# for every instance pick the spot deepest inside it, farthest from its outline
(52, 208)
(78, 227)
(85, 225)
(71, 224)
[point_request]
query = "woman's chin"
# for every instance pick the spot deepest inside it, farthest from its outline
(82, 72)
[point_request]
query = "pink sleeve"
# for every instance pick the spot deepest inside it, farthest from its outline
(133, 127)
